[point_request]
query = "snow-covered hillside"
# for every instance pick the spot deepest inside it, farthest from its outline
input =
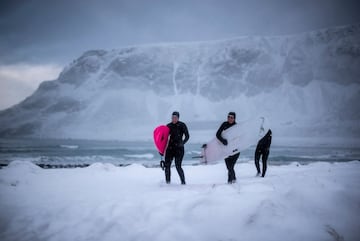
(307, 85)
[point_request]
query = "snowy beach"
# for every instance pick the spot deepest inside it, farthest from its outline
(319, 201)
(97, 98)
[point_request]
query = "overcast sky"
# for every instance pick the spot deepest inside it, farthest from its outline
(48, 34)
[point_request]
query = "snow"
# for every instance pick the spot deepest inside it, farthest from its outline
(319, 201)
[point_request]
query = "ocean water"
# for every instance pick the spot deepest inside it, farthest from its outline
(53, 153)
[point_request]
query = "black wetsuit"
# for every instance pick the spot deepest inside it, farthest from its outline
(230, 161)
(263, 150)
(175, 149)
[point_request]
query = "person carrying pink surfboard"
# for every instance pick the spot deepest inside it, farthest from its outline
(178, 136)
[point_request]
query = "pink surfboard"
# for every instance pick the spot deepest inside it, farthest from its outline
(161, 136)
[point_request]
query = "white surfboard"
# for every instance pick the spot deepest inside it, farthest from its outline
(240, 137)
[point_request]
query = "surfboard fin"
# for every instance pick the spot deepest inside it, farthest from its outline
(162, 165)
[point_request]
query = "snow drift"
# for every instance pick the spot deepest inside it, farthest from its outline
(319, 201)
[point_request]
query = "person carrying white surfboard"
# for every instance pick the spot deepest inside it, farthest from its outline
(175, 148)
(230, 161)
(263, 148)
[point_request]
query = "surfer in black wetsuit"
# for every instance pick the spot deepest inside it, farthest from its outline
(263, 148)
(175, 148)
(230, 160)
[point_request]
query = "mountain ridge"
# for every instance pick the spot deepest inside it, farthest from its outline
(313, 76)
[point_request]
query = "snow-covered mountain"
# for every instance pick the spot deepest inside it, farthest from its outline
(307, 85)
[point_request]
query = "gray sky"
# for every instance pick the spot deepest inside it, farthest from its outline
(58, 31)
(49, 34)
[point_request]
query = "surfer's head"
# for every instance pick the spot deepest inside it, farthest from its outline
(231, 117)
(175, 116)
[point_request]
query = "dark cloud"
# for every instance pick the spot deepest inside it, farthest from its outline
(57, 31)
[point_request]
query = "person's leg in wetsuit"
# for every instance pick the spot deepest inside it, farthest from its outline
(264, 154)
(257, 158)
(264, 157)
(178, 161)
(230, 164)
(169, 155)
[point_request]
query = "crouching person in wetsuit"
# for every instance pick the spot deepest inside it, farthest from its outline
(263, 150)
(175, 148)
(230, 161)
